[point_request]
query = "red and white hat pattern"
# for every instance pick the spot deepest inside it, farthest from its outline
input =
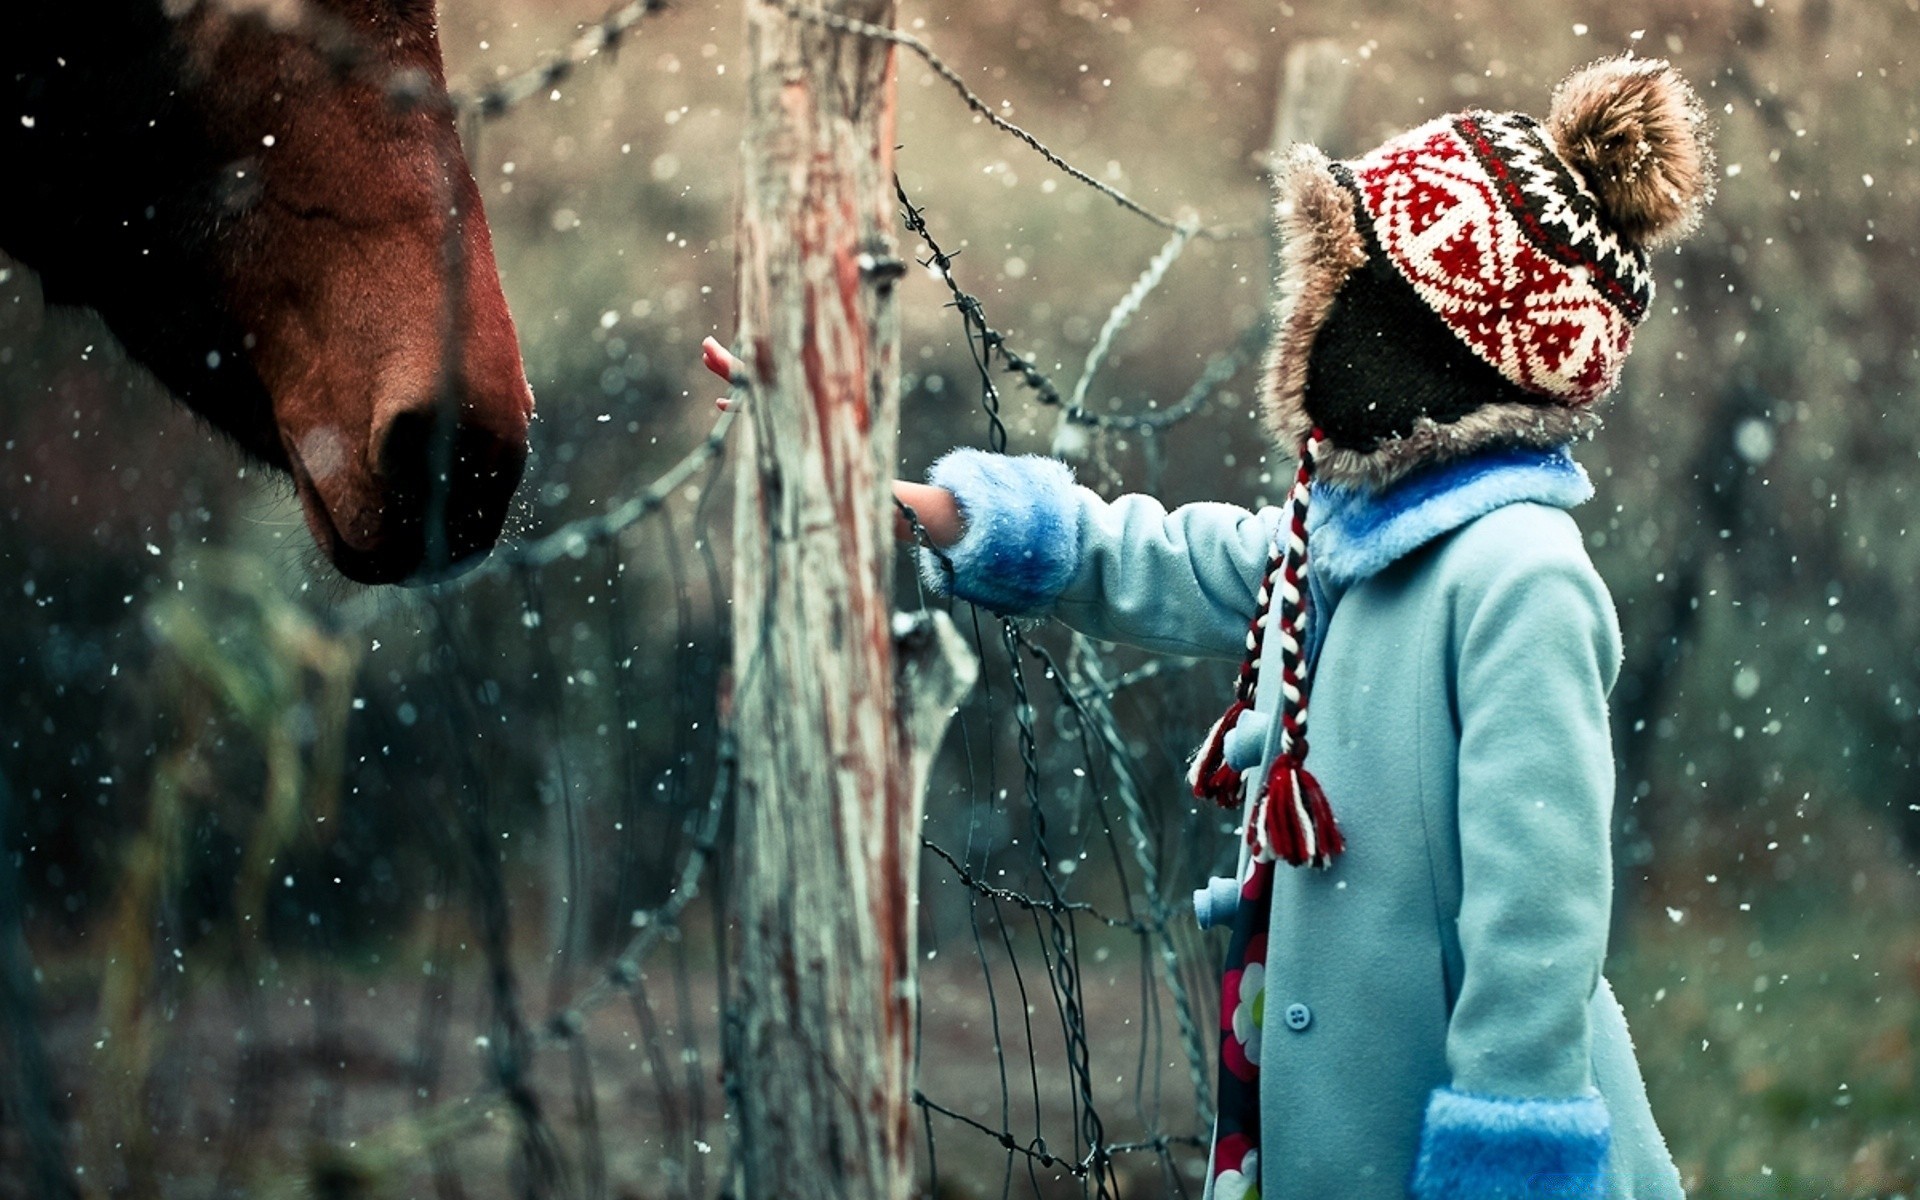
(1507, 246)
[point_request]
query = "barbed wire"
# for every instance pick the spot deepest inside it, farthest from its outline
(983, 341)
(604, 35)
(1089, 704)
(349, 50)
(881, 33)
(987, 342)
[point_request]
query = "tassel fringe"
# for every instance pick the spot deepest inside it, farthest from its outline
(1295, 820)
(1210, 776)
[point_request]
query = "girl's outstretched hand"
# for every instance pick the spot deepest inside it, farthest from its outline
(723, 364)
(934, 507)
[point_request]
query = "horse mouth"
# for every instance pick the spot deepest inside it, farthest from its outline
(376, 529)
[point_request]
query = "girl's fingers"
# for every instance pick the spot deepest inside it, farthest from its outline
(721, 363)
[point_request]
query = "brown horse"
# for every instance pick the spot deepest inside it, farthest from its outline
(267, 202)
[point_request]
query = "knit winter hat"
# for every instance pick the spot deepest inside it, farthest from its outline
(1473, 282)
(1477, 280)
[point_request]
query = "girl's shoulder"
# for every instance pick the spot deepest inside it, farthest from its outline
(1526, 565)
(1515, 537)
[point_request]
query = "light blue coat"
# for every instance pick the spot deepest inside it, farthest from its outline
(1446, 1029)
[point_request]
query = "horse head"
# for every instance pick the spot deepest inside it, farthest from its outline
(268, 203)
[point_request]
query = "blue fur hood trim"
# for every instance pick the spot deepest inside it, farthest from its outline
(1355, 533)
(1022, 539)
(1491, 1148)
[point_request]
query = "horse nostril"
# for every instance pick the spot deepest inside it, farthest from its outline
(404, 456)
(447, 485)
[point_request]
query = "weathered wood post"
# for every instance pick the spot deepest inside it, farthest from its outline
(829, 706)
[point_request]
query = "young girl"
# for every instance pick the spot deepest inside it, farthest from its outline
(1412, 1002)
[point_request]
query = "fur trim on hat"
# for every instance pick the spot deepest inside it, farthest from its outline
(1320, 245)
(1638, 136)
(1542, 426)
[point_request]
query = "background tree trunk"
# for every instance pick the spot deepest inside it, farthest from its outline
(829, 818)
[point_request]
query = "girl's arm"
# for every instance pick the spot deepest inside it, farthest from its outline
(1537, 651)
(1127, 570)
(1015, 535)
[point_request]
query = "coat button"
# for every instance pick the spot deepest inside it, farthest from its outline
(1299, 1016)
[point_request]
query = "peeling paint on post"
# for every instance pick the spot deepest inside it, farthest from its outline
(828, 831)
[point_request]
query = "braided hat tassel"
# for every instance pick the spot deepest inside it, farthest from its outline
(1292, 821)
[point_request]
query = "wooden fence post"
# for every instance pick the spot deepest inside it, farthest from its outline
(835, 709)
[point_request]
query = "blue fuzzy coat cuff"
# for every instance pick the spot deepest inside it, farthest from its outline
(1491, 1148)
(1022, 540)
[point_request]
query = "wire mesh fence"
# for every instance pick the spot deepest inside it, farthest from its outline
(427, 894)
(549, 1013)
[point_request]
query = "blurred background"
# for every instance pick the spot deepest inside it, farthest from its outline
(255, 807)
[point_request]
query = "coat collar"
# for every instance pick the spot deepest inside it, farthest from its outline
(1355, 533)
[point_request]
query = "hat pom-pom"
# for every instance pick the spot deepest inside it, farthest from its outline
(1637, 135)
